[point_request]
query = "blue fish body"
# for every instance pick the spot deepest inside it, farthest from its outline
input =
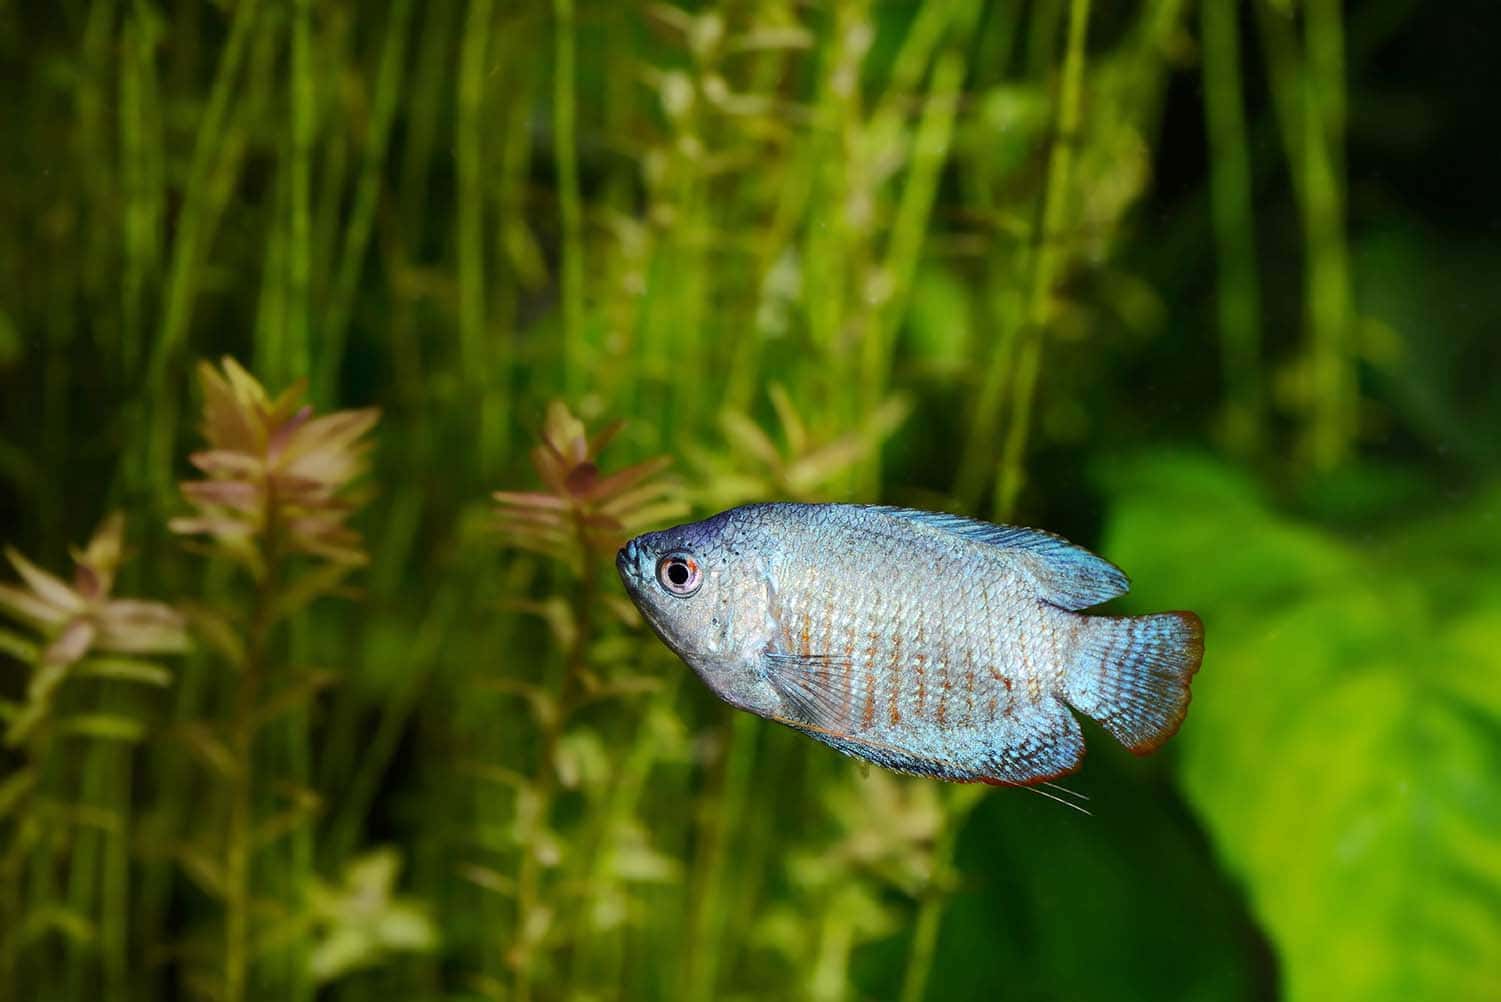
(926, 643)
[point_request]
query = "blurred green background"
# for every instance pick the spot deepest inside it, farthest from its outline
(1209, 287)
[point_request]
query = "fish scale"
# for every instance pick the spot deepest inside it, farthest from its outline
(924, 642)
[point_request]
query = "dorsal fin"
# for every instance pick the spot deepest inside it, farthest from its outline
(1069, 576)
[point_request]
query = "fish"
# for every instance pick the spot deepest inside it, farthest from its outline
(926, 643)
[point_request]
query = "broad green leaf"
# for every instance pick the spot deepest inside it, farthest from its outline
(1345, 733)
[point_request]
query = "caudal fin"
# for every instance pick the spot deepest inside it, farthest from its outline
(1132, 675)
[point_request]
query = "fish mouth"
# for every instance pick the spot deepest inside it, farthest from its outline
(628, 564)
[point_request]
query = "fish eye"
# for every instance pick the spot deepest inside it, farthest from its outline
(679, 574)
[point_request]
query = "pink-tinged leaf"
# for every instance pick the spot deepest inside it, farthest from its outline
(327, 525)
(72, 644)
(560, 535)
(552, 544)
(246, 388)
(604, 436)
(565, 433)
(228, 423)
(222, 527)
(666, 511)
(299, 491)
(792, 424)
(530, 517)
(748, 436)
(532, 499)
(326, 450)
(285, 406)
(627, 478)
(601, 521)
(87, 583)
(581, 479)
(25, 606)
(103, 554)
(45, 586)
(237, 495)
(551, 466)
(283, 432)
(623, 504)
(227, 462)
(132, 626)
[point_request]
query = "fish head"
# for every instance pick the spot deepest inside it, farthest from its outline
(705, 590)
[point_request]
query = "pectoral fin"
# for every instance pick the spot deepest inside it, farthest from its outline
(820, 690)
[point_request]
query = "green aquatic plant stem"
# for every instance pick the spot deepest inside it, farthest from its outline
(1047, 263)
(356, 237)
(998, 301)
(1331, 314)
(378, 752)
(10, 912)
(296, 357)
(570, 202)
(140, 141)
(214, 161)
(1308, 95)
(469, 163)
(960, 802)
(596, 958)
(1238, 296)
(239, 850)
(23, 826)
(544, 784)
(115, 890)
(98, 870)
(723, 815)
(928, 153)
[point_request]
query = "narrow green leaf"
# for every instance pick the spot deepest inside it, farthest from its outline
(203, 868)
(291, 697)
(14, 788)
(17, 646)
(71, 925)
(217, 632)
(310, 586)
(125, 669)
(208, 747)
(103, 726)
(488, 878)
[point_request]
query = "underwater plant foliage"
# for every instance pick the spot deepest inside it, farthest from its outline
(341, 345)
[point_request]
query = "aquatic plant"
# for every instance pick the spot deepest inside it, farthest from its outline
(570, 882)
(947, 254)
(80, 632)
(275, 503)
